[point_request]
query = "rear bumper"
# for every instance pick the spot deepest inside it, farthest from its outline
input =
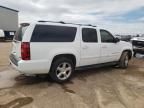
(31, 66)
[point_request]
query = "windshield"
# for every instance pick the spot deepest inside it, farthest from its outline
(20, 32)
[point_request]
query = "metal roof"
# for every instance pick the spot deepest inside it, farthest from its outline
(9, 8)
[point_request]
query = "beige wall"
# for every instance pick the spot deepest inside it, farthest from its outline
(8, 20)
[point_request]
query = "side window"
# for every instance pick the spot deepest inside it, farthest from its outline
(51, 33)
(106, 37)
(89, 35)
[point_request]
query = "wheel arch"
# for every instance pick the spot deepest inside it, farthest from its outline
(129, 53)
(66, 55)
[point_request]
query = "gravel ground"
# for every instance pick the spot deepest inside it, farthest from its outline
(106, 87)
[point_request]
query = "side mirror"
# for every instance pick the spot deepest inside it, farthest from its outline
(116, 40)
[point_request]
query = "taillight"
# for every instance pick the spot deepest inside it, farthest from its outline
(25, 51)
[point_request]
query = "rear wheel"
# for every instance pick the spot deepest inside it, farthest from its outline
(124, 60)
(61, 70)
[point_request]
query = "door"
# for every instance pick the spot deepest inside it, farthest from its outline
(90, 46)
(110, 50)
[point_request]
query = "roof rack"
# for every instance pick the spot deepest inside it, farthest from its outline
(89, 25)
(52, 21)
(58, 22)
(24, 24)
(68, 23)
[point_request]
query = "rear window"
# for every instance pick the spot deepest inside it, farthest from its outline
(50, 33)
(20, 32)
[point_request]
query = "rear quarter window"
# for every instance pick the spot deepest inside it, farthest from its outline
(51, 33)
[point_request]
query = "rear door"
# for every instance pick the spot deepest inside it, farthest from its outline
(90, 46)
(16, 44)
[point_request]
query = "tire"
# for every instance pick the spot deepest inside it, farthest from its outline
(124, 60)
(61, 70)
(134, 54)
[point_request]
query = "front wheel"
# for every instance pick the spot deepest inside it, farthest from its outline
(134, 54)
(61, 70)
(124, 60)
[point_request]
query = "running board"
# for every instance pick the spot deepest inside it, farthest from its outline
(96, 65)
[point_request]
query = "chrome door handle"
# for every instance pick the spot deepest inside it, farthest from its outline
(104, 46)
(85, 47)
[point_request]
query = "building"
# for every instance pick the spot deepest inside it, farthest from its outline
(8, 21)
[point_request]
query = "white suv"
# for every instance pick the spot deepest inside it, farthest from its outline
(58, 48)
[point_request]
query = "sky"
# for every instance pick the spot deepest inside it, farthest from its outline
(118, 16)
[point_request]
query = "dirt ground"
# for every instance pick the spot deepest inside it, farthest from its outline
(5, 48)
(106, 87)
